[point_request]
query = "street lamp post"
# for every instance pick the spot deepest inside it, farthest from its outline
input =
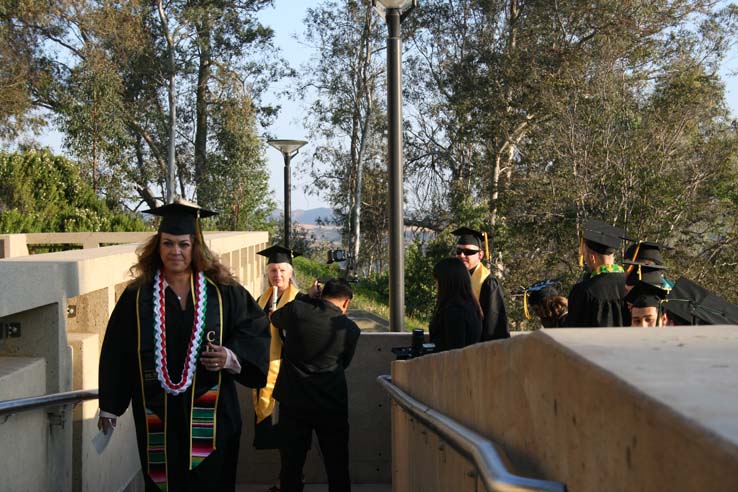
(393, 12)
(289, 149)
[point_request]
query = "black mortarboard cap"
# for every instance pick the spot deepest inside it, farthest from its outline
(601, 237)
(469, 236)
(696, 305)
(652, 274)
(645, 250)
(541, 290)
(645, 294)
(180, 217)
(278, 254)
(536, 293)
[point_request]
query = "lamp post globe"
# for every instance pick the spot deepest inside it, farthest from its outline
(289, 149)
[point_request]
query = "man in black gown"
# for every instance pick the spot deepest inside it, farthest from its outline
(180, 337)
(319, 343)
(597, 301)
(470, 250)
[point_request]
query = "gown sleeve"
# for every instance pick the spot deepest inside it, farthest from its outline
(118, 356)
(578, 308)
(494, 324)
(247, 335)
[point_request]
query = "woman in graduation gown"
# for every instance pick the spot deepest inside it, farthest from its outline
(180, 337)
(281, 290)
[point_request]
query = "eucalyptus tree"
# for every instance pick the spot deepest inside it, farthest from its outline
(346, 119)
(139, 85)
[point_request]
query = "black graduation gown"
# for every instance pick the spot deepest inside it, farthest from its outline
(598, 302)
(245, 330)
(455, 326)
(494, 324)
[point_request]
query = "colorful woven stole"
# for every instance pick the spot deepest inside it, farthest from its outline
(203, 425)
(156, 448)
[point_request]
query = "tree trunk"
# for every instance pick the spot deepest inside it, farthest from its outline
(201, 105)
(172, 95)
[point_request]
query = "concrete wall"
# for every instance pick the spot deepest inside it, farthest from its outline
(597, 409)
(23, 437)
(62, 302)
(369, 420)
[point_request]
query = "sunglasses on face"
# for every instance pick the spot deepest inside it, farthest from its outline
(467, 251)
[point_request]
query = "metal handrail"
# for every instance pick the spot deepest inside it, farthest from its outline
(484, 454)
(8, 407)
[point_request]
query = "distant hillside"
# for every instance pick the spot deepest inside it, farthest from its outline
(310, 217)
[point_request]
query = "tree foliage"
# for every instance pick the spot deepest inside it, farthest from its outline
(528, 117)
(41, 192)
(123, 78)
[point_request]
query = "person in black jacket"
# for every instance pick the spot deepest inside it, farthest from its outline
(457, 319)
(318, 345)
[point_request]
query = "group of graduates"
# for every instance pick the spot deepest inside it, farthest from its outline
(470, 305)
(637, 293)
(183, 334)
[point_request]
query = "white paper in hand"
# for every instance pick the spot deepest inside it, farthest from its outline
(101, 440)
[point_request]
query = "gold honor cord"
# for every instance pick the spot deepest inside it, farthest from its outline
(634, 259)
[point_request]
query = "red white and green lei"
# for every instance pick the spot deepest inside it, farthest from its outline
(160, 337)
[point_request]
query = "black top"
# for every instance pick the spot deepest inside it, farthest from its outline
(455, 326)
(598, 302)
(494, 322)
(319, 343)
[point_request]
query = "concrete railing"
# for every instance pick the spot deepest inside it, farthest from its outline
(597, 409)
(15, 245)
(56, 308)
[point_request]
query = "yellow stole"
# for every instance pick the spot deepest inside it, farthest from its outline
(477, 279)
(262, 397)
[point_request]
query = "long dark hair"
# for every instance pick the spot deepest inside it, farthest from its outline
(203, 260)
(454, 284)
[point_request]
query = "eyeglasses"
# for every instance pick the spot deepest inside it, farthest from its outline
(467, 251)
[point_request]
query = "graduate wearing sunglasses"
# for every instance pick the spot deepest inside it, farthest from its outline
(470, 248)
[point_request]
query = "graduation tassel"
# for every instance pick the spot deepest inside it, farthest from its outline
(200, 236)
(635, 257)
(581, 251)
(525, 305)
(486, 247)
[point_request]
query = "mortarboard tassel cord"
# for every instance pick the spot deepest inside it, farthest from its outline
(635, 258)
(525, 305)
(581, 251)
(200, 236)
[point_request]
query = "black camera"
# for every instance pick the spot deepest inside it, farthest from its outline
(418, 347)
(336, 255)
